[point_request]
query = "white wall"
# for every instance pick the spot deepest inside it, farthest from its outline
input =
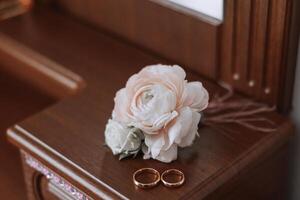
(213, 8)
(296, 118)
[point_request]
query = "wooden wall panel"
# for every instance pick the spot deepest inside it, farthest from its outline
(258, 46)
(241, 50)
(253, 49)
(226, 56)
(254, 61)
(275, 50)
(173, 32)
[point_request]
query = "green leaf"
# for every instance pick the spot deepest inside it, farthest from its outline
(124, 155)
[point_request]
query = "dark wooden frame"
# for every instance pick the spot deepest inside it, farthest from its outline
(259, 49)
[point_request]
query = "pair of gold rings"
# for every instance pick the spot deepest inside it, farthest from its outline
(149, 177)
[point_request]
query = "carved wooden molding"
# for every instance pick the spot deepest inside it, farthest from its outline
(255, 37)
(55, 179)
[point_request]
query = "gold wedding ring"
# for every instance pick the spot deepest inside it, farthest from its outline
(146, 178)
(172, 178)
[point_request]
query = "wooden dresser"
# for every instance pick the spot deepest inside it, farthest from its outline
(62, 62)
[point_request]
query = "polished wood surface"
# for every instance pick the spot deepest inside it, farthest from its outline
(254, 48)
(68, 137)
(54, 79)
(18, 100)
(268, 180)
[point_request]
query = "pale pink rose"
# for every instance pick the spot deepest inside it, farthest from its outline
(159, 101)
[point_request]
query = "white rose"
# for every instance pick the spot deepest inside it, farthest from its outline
(121, 138)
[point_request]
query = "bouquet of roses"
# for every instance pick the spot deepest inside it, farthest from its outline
(157, 112)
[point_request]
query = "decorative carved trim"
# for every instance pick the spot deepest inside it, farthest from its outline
(55, 179)
(254, 41)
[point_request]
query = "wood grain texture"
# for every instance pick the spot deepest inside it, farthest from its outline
(173, 32)
(250, 49)
(276, 27)
(267, 180)
(41, 72)
(258, 46)
(68, 137)
(253, 49)
(256, 41)
(242, 38)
